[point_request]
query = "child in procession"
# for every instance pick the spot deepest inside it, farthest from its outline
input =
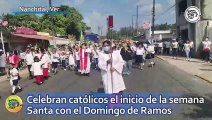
(71, 61)
(37, 70)
(63, 59)
(14, 78)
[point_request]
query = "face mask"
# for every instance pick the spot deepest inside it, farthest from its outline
(106, 49)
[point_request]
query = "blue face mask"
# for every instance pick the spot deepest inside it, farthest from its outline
(106, 49)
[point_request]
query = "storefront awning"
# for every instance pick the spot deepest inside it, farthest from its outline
(49, 38)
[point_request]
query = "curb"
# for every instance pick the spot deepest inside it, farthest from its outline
(160, 58)
(203, 78)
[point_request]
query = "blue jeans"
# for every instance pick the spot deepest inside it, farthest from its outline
(187, 54)
(127, 67)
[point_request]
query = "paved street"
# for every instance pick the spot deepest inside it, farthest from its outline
(164, 78)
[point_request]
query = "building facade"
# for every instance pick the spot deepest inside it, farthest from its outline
(197, 32)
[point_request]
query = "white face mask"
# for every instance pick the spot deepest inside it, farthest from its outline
(106, 49)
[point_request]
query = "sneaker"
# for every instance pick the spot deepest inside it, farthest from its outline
(65, 69)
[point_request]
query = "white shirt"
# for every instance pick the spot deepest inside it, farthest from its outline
(167, 44)
(160, 44)
(55, 57)
(151, 49)
(29, 59)
(187, 46)
(45, 60)
(191, 44)
(140, 51)
(77, 55)
(95, 54)
(37, 68)
(175, 45)
(22, 55)
(206, 44)
(14, 74)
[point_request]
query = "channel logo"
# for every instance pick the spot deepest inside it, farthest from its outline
(14, 103)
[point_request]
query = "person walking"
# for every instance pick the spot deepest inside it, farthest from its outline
(55, 60)
(84, 53)
(3, 61)
(29, 60)
(174, 49)
(192, 49)
(14, 78)
(37, 70)
(160, 48)
(77, 58)
(45, 60)
(206, 49)
(126, 54)
(187, 50)
(95, 57)
(139, 55)
(111, 66)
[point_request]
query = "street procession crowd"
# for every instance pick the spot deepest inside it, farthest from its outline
(113, 59)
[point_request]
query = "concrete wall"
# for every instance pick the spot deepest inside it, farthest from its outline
(206, 9)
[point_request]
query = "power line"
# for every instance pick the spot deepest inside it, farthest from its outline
(165, 11)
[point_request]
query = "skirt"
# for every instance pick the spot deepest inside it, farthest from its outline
(39, 79)
(15, 82)
(139, 59)
(45, 72)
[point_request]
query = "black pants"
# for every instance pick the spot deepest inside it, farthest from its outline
(30, 73)
(174, 52)
(207, 55)
(78, 64)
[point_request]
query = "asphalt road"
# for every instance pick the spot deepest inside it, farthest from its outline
(163, 78)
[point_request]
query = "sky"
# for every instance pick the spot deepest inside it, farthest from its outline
(95, 12)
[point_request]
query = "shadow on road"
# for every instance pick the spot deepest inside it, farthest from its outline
(200, 110)
(206, 69)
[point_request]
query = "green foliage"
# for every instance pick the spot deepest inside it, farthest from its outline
(165, 26)
(69, 24)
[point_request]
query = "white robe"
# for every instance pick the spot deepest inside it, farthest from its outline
(113, 84)
(37, 68)
(71, 60)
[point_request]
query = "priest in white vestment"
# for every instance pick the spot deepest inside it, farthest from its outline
(111, 65)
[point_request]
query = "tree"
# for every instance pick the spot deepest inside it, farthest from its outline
(164, 26)
(67, 24)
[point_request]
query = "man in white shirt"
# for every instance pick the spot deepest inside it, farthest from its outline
(160, 47)
(167, 47)
(191, 48)
(174, 49)
(29, 60)
(206, 49)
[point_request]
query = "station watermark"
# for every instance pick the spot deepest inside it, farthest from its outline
(38, 10)
(192, 14)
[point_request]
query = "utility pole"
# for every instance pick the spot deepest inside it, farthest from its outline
(137, 20)
(50, 3)
(133, 24)
(153, 19)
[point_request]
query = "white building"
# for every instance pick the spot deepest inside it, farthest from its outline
(196, 32)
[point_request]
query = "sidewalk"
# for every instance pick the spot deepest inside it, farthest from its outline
(195, 67)
(23, 73)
